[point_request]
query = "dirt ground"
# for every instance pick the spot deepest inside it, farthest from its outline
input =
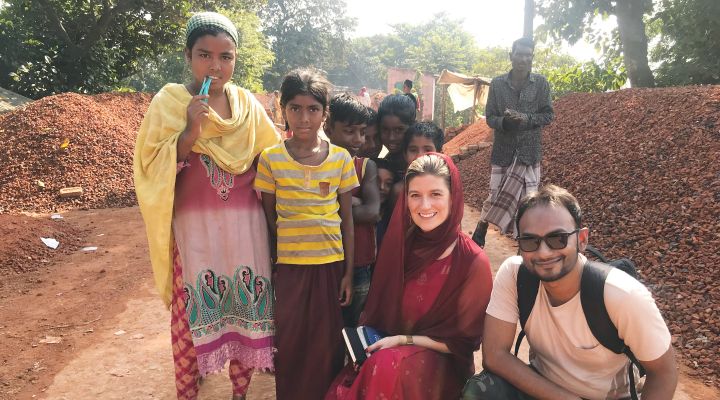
(113, 330)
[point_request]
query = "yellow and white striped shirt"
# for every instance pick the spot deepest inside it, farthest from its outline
(308, 220)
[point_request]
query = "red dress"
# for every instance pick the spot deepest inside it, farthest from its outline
(406, 372)
(444, 300)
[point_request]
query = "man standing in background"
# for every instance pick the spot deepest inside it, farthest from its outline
(407, 90)
(364, 97)
(518, 106)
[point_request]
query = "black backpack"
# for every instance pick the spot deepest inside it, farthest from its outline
(592, 287)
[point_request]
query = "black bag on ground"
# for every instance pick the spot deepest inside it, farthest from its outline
(592, 288)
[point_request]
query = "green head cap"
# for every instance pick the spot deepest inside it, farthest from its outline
(207, 19)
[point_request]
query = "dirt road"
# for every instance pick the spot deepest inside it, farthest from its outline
(113, 331)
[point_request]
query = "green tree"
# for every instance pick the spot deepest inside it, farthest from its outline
(52, 46)
(305, 33)
(573, 20)
(254, 53)
(158, 71)
(441, 43)
(590, 77)
(492, 61)
(367, 62)
(688, 51)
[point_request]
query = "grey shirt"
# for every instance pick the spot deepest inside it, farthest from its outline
(525, 139)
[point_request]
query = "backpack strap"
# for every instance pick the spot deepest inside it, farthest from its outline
(625, 264)
(527, 289)
(596, 253)
(592, 290)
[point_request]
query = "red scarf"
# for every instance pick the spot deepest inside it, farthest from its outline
(456, 318)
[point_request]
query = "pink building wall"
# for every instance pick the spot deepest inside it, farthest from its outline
(395, 79)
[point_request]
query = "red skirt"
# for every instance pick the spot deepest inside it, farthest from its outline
(402, 373)
(308, 325)
(407, 372)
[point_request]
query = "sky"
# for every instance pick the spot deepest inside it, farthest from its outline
(491, 22)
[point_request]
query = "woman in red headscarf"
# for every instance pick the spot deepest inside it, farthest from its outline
(429, 292)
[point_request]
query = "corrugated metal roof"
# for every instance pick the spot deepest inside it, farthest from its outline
(10, 100)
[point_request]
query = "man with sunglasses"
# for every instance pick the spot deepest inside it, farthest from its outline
(566, 360)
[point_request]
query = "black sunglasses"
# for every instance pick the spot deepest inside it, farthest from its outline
(555, 241)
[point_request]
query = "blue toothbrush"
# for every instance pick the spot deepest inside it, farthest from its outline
(205, 88)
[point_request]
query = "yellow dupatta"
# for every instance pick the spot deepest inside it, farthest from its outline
(232, 144)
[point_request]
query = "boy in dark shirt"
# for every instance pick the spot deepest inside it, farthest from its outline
(346, 127)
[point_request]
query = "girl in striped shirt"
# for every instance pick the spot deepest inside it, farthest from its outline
(306, 185)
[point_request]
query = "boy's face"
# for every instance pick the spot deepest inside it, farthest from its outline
(385, 182)
(372, 146)
(349, 137)
(392, 132)
(418, 146)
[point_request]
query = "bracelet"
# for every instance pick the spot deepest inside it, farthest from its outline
(408, 340)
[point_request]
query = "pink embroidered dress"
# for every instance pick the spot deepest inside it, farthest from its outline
(222, 243)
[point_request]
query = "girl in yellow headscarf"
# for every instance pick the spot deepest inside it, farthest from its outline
(194, 170)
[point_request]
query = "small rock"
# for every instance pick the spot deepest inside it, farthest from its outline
(118, 372)
(51, 340)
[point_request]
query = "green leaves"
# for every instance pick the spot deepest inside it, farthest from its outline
(574, 20)
(91, 47)
(305, 33)
(441, 43)
(431, 46)
(87, 47)
(688, 51)
(586, 77)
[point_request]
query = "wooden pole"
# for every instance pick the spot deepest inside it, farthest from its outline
(443, 106)
(475, 91)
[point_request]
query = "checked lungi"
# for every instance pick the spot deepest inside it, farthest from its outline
(507, 186)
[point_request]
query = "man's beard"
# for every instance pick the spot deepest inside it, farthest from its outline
(563, 271)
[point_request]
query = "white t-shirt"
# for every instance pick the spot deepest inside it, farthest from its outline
(562, 347)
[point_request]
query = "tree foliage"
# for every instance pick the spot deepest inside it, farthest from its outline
(441, 43)
(574, 20)
(52, 46)
(688, 51)
(491, 62)
(431, 46)
(305, 33)
(585, 77)
(367, 61)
